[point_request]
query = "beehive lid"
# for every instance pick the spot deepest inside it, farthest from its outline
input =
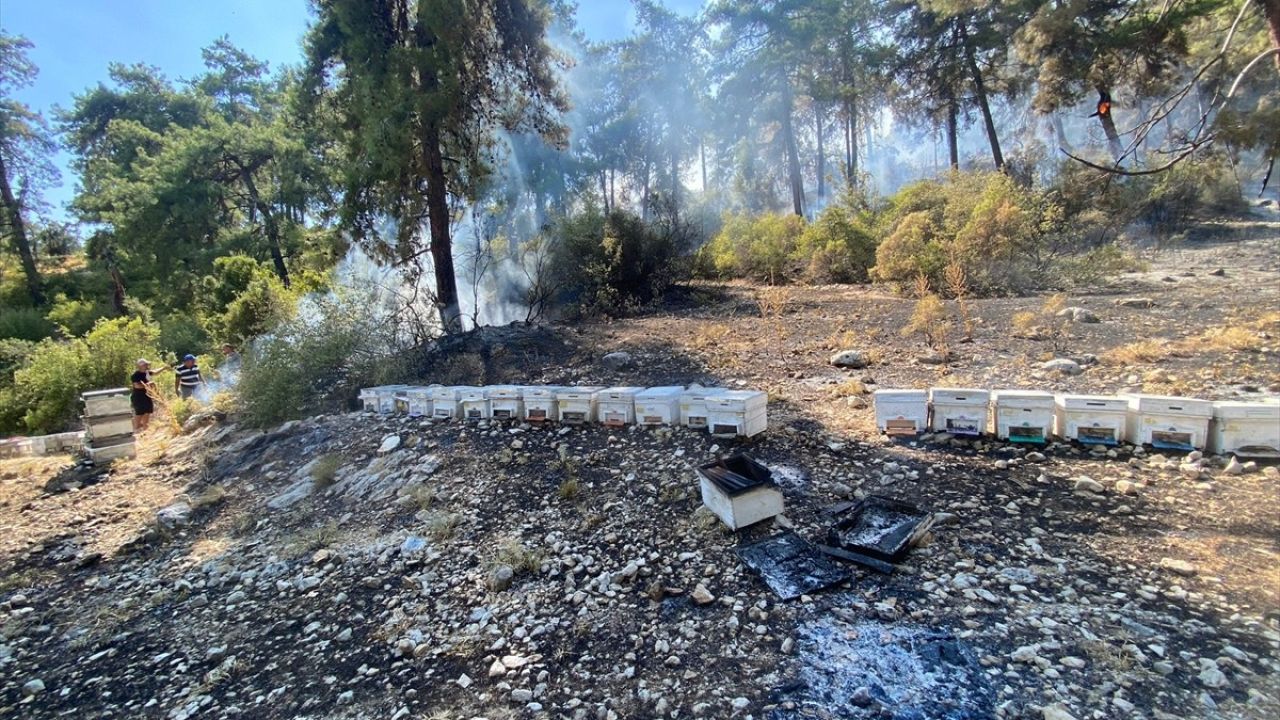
(96, 394)
(700, 393)
(901, 395)
(736, 475)
(544, 392)
(503, 392)
(1022, 398)
(585, 392)
(661, 393)
(422, 391)
(739, 400)
(443, 392)
(959, 396)
(619, 394)
(1268, 409)
(1093, 403)
(470, 393)
(1167, 405)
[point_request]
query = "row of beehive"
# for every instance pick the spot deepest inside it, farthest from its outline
(108, 425)
(1246, 428)
(723, 412)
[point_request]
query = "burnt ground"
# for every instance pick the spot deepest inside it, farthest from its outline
(308, 573)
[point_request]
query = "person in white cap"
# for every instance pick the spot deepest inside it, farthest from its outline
(141, 400)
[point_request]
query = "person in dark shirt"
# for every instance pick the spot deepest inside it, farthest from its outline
(187, 379)
(143, 387)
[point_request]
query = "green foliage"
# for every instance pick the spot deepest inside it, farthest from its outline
(762, 248)
(610, 262)
(839, 247)
(14, 354)
(1204, 187)
(179, 335)
(24, 324)
(75, 317)
(48, 388)
(997, 231)
(318, 359)
(242, 299)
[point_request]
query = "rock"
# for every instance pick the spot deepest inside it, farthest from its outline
(1126, 487)
(1210, 675)
(1179, 567)
(175, 515)
(1079, 315)
(1233, 468)
(33, 687)
(853, 359)
(1056, 711)
(702, 596)
(1137, 302)
(617, 360)
(1035, 457)
(521, 695)
(501, 577)
(740, 703)
(497, 669)
(1025, 654)
(389, 443)
(1063, 366)
(1088, 484)
(464, 681)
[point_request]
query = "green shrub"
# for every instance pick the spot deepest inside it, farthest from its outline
(609, 262)
(49, 386)
(1194, 189)
(242, 299)
(317, 360)
(24, 324)
(75, 317)
(999, 232)
(839, 247)
(762, 248)
(14, 354)
(179, 335)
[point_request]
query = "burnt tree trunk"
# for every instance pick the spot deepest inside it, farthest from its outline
(18, 231)
(1109, 128)
(1271, 11)
(953, 141)
(822, 157)
(270, 223)
(441, 244)
(793, 154)
(980, 92)
(702, 158)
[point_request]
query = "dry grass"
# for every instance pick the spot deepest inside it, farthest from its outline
(442, 526)
(1234, 338)
(569, 488)
(1137, 353)
(712, 336)
(325, 471)
(514, 554)
(849, 388)
(423, 496)
(312, 539)
(211, 495)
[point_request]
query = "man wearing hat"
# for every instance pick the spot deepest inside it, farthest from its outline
(141, 401)
(187, 380)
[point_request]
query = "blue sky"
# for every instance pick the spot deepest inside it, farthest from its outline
(75, 40)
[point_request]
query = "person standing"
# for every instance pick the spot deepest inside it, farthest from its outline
(140, 399)
(187, 379)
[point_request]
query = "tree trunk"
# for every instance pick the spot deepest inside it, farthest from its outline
(675, 184)
(953, 144)
(853, 140)
(1059, 132)
(980, 92)
(19, 232)
(793, 154)
(1271, 11)
(441, 245)
(822, 157)
(702, 158)
(270, 223)
(1109, 128)
(604, 190)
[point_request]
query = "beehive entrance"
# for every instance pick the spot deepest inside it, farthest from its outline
(963, 426)
(900, 427)
(1171, 440)
(1026, 434)
(1097, 435)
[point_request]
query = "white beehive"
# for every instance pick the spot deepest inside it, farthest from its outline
(616, 406)
(369, 399)
(420, 400)
(401, 400)
(902, 412)
(959, 411)
(125, 448)
(739, 499)
(1248, 429)
(539, 403)
(1172, 423)
(473, 403)
(577, 405)
(388, 395)
(107, 402)
(693, 406)
(108, 426)
(444, 401)
(1090, 419)
(1023, 415)
(737, 412)
(659, 405)
(505, 402)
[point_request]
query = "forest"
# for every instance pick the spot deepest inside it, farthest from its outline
(431, 166)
